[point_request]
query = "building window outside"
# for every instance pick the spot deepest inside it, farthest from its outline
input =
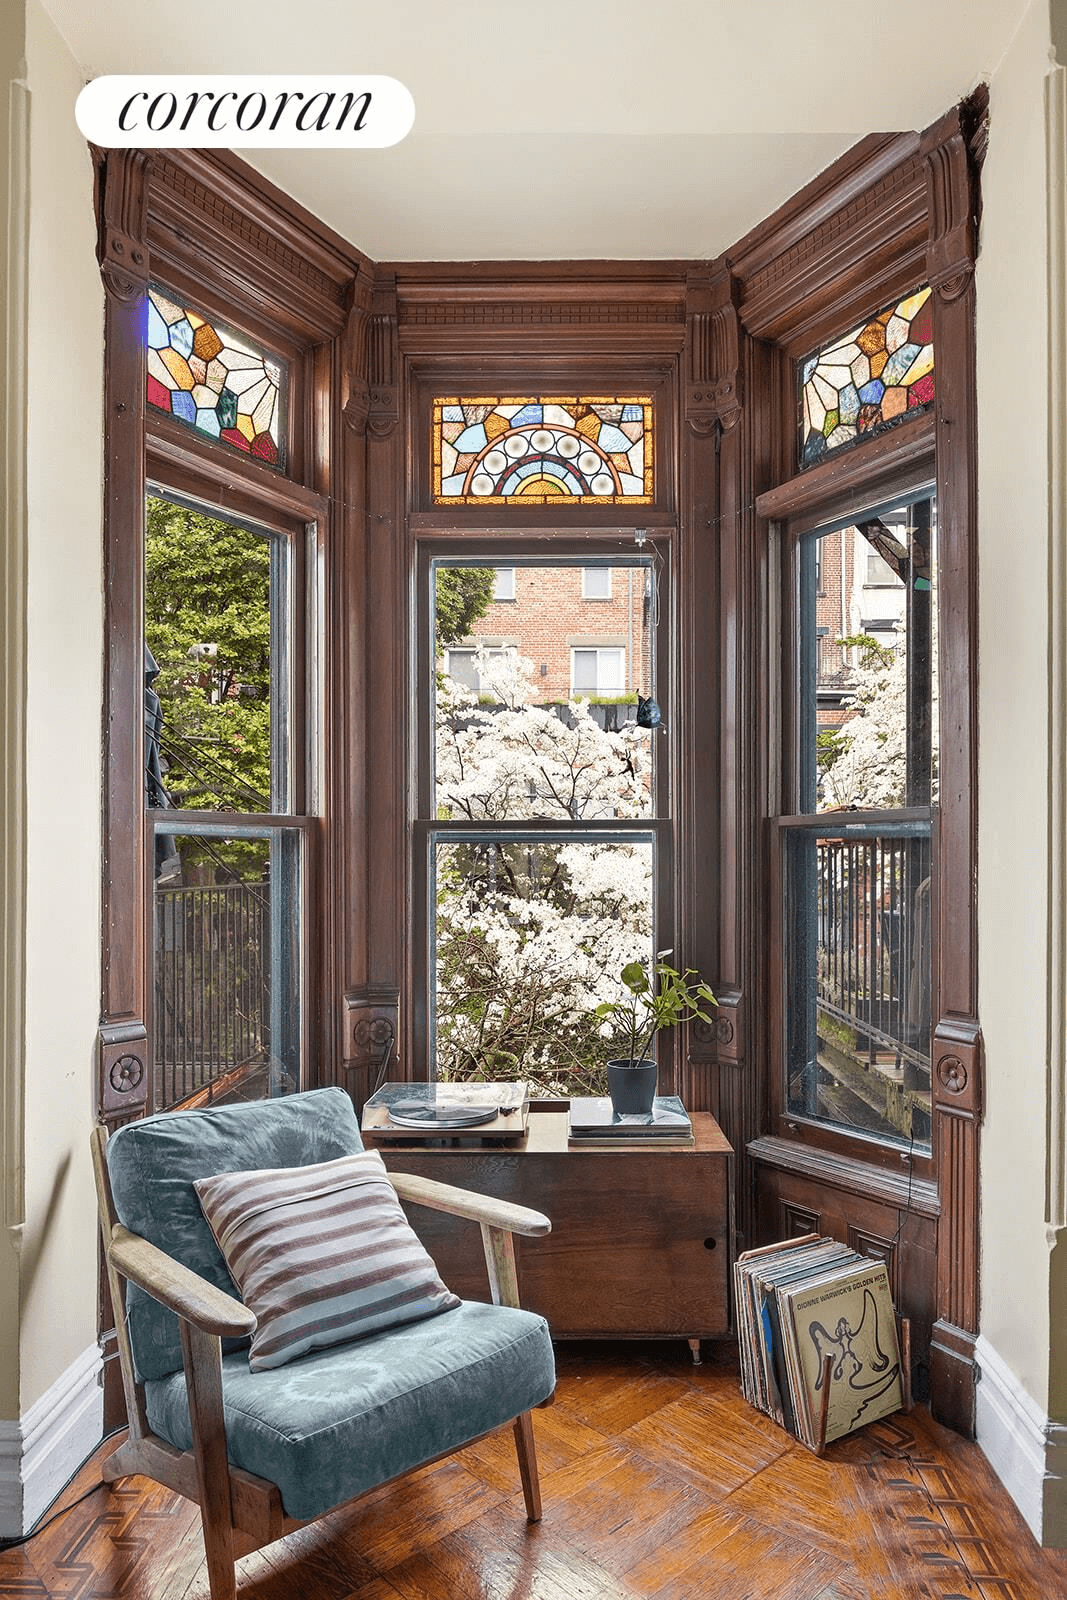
(470, 667)
(504, 583)
(601, 670)
(596, 583)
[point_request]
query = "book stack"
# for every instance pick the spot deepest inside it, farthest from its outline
(594, 1121)
(818, 1338)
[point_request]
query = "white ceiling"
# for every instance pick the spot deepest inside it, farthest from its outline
(609, 128)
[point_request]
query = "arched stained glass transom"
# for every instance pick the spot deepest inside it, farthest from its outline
(538, 449)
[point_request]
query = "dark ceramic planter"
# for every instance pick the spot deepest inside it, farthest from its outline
(632, 1088)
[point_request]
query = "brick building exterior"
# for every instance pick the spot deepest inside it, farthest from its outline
(587, 630)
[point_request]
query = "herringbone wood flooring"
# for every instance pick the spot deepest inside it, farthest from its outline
(658, 1482)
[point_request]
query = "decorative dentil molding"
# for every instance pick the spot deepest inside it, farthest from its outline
(231, 219)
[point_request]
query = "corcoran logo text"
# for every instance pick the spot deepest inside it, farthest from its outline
(299, 112)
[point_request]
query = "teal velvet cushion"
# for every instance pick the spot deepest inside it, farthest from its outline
(337, 1422)
(154, 1163)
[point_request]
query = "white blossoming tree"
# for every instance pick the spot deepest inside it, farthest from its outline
(866, 763)
(532, 936)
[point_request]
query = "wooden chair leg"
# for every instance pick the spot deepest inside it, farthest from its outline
(203, 1381)
(524, 1447)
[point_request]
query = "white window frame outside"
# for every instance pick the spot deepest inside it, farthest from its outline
(601, 651)
(591, 572)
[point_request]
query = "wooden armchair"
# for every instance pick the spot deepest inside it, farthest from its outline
(264, 1452)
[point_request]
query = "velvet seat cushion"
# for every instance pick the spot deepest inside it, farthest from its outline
(154, 1163)
(339, 1421)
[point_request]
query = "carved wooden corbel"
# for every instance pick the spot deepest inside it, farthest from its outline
(383, 359)
(120, 246)
(713, 390)
(355, 388)
(951, 249)
(371, 1023)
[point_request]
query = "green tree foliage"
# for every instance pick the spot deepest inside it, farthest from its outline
(207, 623)
(463, 595)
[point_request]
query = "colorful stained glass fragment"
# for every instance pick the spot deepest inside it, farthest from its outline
(866, 381)
(490, 451)
(214, 380)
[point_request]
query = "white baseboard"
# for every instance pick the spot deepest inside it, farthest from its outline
(1026, 1450)
(39, 1452)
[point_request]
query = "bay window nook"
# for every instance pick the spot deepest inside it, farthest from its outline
(476, 605)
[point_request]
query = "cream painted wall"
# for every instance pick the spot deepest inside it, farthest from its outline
(64, 467)
(12, 603)
(1013, 709)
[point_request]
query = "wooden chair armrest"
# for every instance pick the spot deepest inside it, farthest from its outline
(483, 1208)
(176, 1287)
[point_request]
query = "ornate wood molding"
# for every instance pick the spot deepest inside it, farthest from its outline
(857, 230)
(124, 1071)
(215, 220)
(383, 358)
(355, 387)
(370, 1030)
(950, 206)
(713, 383)
(121, 247)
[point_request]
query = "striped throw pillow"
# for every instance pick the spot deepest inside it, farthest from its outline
(321, 1254)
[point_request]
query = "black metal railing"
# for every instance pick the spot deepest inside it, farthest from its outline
(212, 988)
(859, 974)
(873, 943)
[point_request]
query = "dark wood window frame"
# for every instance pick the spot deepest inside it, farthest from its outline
(864, 480)
(568, 546)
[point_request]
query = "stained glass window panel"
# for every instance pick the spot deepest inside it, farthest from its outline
(214, 380)
(868, 380)
(532, 451)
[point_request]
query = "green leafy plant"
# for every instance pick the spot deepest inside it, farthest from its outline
(655, 1000)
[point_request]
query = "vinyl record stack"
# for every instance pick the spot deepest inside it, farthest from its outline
(818, 1337)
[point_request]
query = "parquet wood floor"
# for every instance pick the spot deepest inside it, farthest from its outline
(658, 1482)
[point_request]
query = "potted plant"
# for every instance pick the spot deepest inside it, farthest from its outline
(653, 1001)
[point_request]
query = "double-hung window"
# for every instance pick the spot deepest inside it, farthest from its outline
(856, 860)
(229, 689)
(543, 849)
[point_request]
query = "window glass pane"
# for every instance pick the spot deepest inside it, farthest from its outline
(868, 669)
(504, 584)
(868, 380)
(585, 679)
(510, 740)
(596, 583)
(535, 449)
(226, 967)
(216, 689)
(858, 976)
(529, 937)
(213, 379)
(461, 668)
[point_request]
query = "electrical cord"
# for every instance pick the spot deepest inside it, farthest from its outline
(39, 1526)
